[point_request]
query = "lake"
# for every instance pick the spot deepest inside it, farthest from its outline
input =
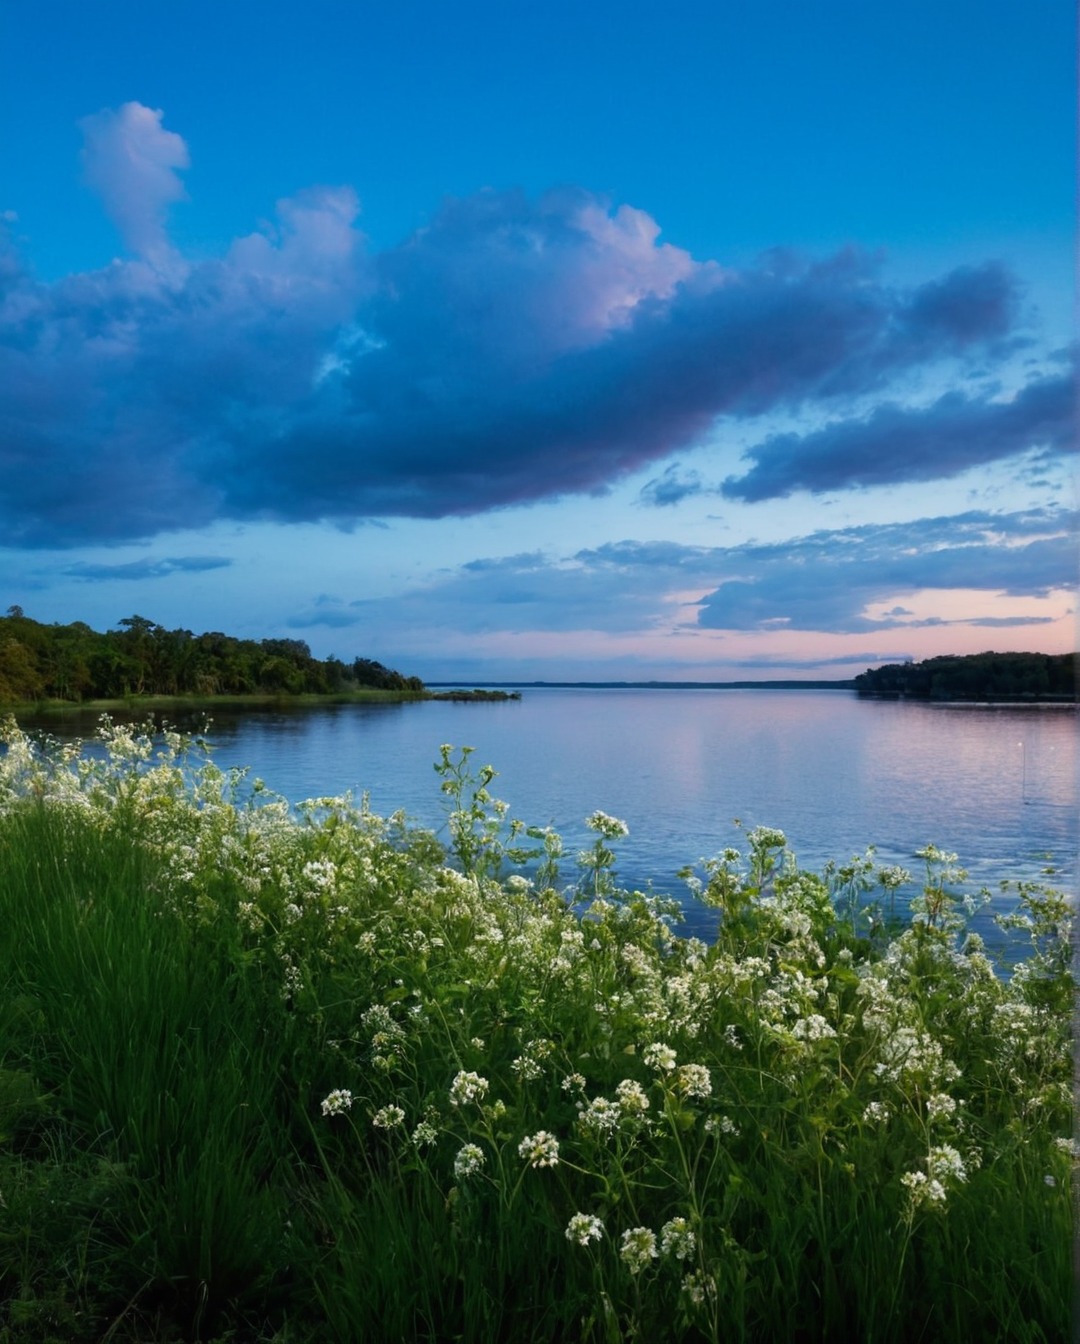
(996, 785)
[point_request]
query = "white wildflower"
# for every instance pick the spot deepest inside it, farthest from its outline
(697, 1286)
(468, 1161)
(424, 1134)
(677, 1239)
(611, 828)
(583, 1228)
(939, 1104)
(632, 1097)
(467, 1087)
(693, 1080)
(388, 1117)
(540, 1149)
(337, 1101)
(659, 1057)
(637, 1248)
(600, 1116)
(812, 1028)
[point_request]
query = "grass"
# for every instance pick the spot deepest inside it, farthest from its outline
(303, 1075)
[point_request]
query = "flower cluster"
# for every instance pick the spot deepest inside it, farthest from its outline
(341, 1099)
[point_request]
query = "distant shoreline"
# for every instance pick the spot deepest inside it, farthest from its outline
(792, 685)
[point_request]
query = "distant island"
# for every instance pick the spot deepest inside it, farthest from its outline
(1008, 678)
(142, 661)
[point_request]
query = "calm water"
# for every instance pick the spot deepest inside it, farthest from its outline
(835, 773)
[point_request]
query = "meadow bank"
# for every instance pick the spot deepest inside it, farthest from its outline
(306, 1074)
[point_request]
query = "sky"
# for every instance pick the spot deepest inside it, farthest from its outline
(545, 342)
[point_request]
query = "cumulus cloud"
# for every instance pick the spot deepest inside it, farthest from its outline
(896, 444)
(133, 163)
(512, 350)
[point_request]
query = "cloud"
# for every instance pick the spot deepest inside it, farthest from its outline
(146, 569)
(825, 581)
(512, 350)
(896, 443)
(673, 486)
(132, 162)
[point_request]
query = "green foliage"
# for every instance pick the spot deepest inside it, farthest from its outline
(298, 1075)
(978, 676)
(141, 658)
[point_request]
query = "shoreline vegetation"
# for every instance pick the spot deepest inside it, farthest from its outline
(141, 666)
(1000, 678)
(288, 1075)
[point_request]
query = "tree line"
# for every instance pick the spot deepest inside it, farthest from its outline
(139, 657)
(977, 676)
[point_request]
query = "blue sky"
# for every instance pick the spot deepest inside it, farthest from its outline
(543, 341)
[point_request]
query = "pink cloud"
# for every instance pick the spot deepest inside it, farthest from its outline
(132, 162)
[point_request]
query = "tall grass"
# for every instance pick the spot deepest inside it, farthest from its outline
(298, 1076)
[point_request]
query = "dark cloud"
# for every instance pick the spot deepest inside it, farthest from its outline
(146, 569)
(512, 350)
(896, 444)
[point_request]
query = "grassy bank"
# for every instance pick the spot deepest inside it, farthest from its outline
(187, 705)
(303, 1076)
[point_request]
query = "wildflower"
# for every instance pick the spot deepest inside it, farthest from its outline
(922, 1190)
(939, 1104)
(892, 876)
(812, 1028)
(583, 1228)
(721, 1124)
(946, 1162)
(696, 1286)
(526, 1068)
(468, 1161)
(600, 1116)
(660, 1057)
(540, 1149)
(388, 1117)
(694, 1081)
(339, 1100)
(611, 828)
(637, 1248)
(573, 1082)
(632, 1097)
(467, 1087)
(677, 1239)
(876, 1112)
(424, 1134)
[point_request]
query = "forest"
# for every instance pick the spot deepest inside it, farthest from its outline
(978, 676)
(141, 658)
